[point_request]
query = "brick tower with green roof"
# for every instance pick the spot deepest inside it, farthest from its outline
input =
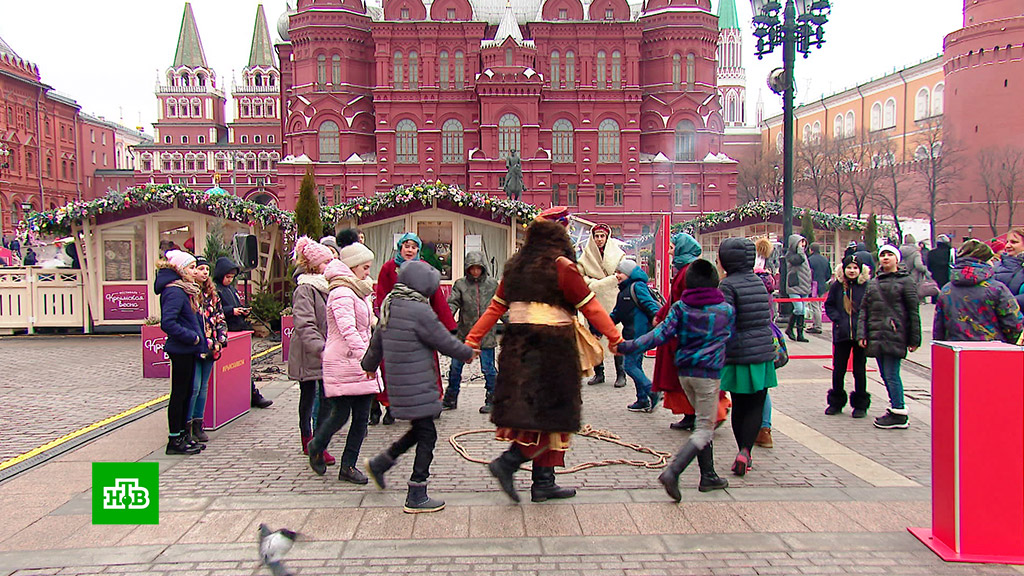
(732, 78)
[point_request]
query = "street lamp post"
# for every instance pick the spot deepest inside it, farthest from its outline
(801, 27)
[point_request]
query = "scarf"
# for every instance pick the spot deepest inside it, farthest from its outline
(193, 292)
(399, 292)
(362, 288)
(399, 260)
(701, 297)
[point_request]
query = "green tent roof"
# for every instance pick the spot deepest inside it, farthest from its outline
(727, 16)
(190, 48)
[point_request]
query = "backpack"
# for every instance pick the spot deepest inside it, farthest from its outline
(654, 294)
(781, 352)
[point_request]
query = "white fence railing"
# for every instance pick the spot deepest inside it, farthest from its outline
(33, 298)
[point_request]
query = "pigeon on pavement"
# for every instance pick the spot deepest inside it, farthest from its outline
(273, 547)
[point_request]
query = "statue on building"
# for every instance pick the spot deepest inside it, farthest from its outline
(514, 177)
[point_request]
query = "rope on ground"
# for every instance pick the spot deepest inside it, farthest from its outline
(589, 432)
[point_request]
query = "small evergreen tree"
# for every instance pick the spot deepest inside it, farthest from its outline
(307, 209)
(871, 234)
(807, 228)
(215, 245)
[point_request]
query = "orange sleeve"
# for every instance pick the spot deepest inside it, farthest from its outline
(599, 319)
(571, 282)
(488, 319)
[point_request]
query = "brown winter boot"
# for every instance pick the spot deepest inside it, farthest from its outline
(764, 438)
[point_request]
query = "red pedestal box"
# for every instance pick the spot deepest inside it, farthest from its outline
(977, 442)
(230, 391)
(155, 362)
(287, 328)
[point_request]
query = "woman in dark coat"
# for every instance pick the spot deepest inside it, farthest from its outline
(537, 400)
(1010, 270)
(750, 353)
(842, 305)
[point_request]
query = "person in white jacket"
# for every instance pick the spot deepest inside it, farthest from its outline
(346, 386)
(597, 264)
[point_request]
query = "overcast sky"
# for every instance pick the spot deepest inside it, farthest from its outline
(108, 55)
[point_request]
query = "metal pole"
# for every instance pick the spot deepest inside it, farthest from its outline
(788, 60)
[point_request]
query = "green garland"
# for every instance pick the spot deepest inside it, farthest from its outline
(764, 211)
(159, 197)
(426, 193)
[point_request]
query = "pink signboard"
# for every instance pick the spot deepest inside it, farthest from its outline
(287, 328)
(155, 363)
(125, 302)
(230, 390)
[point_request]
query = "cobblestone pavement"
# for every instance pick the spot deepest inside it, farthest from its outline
(799, 511)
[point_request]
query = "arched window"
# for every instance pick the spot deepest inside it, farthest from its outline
(405, 134)
(937, 94)
(608, 142)
(816, 132)
(686, 141)
(442, 64)
(509, 59)
(172, 109)
(850, 124)
(876, 116)
(399, 73)
(451, 142)
(570, 69)
(336, 69)
(601, 70)
(730, 108)
(321, 70)
(414, 71)
(677, 72)
(28, 162)
(561, 142)
(923, 105)
(889, 115)
(195, 108)
(64, 169)
(807, 134)
(616, 70)
(691, 71)
(73, 165)
(921, 153)
(460, 70)
(49, 167)
(554, 69)
(839, 126)
(270, 107)
(508, 134)
(330, 141)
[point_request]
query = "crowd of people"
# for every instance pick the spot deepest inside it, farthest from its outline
(366, 351)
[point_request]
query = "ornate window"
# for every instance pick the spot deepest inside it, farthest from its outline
(570, 69)
(443, 77)
(451, 142)
(889, 116)
(399, 71)
(691, 71)
(508, 134)
(922, 106)
(321, 70)
(937, 94)
(686, 141)
(509, 59)
(460, 70)
(554, 69)
(850, 124)
(616, 70)
(405, 134)
(336, 70)
(64, 169)
(172, 109)
(677, 72)
(807, 134)
(601, 82)
(816, 132)
(330, 142)
(414, 71)
(599, 197)
(876, 116)
(561, 142)
(608, 141)
(839, 126)
(617, 195)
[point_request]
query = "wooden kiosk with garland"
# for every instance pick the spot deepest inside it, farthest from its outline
(450, 221)
(119, 238)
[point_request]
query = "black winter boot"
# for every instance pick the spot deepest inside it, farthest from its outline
(197, 430)
(836, 401)
(686, 423)
(504, 468)
(388, 419)
(800, 321)
(544, 487)
(375, 412)
(257, 400)
(860, 401)
(709, 479)
(791, 326)
(417, 500)
(377, 466)
(669, 477)
(598, 375)
(488, 404)
(450, 400)
(620, 371)
(179, 445)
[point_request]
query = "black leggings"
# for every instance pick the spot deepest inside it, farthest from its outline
(423, 435)
(308, 390)
(747, 411)
(183, 373)
(841, 355)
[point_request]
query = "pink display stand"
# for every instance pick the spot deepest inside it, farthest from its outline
(977, 442)
(155, 362)
(287, 327)
(230, 391)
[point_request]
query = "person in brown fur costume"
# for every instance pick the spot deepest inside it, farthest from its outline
(537, 401)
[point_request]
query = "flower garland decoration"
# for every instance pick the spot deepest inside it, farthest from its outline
(764, 211)
(426, 193)
(152, 198)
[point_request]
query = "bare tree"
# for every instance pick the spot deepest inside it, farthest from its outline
(837, 166)
(761, 179)
(892, 194)
(812, 170)
(938, 165)
(864, 178)
(1002, 176)
(988, 173)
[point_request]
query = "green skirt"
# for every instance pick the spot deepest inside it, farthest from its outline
(748, 378)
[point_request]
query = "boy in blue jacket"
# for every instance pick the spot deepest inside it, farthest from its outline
(703, 323)
(634, 309)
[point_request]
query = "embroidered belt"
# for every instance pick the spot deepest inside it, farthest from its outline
(538, 313)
